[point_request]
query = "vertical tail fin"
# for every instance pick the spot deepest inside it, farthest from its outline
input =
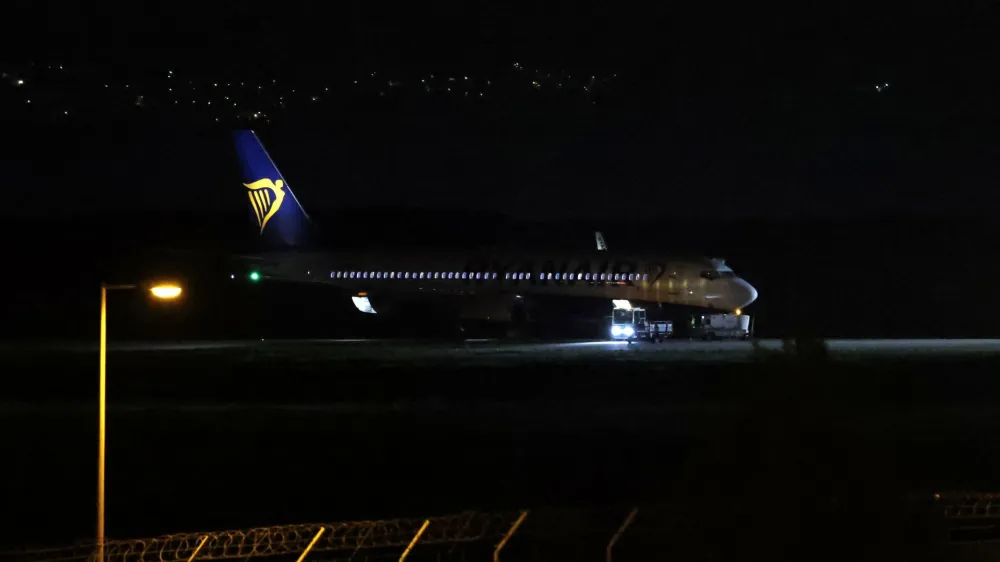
(279, 216)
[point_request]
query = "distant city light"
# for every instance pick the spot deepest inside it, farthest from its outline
(152, 100)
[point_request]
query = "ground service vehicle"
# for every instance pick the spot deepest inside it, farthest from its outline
(720, 326)
(629, 324)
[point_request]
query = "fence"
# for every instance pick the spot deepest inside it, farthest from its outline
(960, 526)
(294, 540)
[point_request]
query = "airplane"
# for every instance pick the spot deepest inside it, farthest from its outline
(492, 286)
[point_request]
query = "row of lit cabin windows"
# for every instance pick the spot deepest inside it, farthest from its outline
(450, 275)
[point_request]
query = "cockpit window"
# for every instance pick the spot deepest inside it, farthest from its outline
(712, 274)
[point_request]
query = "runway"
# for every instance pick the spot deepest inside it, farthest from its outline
(376, 350)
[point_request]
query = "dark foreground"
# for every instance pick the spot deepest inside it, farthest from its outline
(771, 456)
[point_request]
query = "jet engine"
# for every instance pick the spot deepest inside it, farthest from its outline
(498, 308)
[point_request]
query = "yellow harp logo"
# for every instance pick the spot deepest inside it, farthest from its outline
(265, 198)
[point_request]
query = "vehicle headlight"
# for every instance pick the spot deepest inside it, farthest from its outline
(628, 331)
(616, 330)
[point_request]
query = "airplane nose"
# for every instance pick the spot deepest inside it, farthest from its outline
(744, 292)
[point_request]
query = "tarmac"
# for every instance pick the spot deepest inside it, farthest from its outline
(382, 350)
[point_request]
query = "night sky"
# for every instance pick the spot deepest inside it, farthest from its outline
(727, 113)
(844, 160)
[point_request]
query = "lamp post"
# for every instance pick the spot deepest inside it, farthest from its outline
(161, 291)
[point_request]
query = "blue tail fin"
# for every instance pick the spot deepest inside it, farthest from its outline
(278, 215)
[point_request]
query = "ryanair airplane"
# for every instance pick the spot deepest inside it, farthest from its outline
(493, 287)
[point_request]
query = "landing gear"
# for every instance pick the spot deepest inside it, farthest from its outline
(518, 328)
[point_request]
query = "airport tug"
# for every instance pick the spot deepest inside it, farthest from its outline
(630, 323)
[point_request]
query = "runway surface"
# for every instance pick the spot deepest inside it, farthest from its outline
(500, 350)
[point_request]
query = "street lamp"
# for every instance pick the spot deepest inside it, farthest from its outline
(165, 291)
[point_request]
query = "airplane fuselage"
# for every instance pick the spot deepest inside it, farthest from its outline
(687, 282)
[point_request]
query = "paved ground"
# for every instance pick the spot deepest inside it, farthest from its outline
(500, 350)
(259, 433)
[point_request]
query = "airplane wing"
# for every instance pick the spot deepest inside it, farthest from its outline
(601, 246)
